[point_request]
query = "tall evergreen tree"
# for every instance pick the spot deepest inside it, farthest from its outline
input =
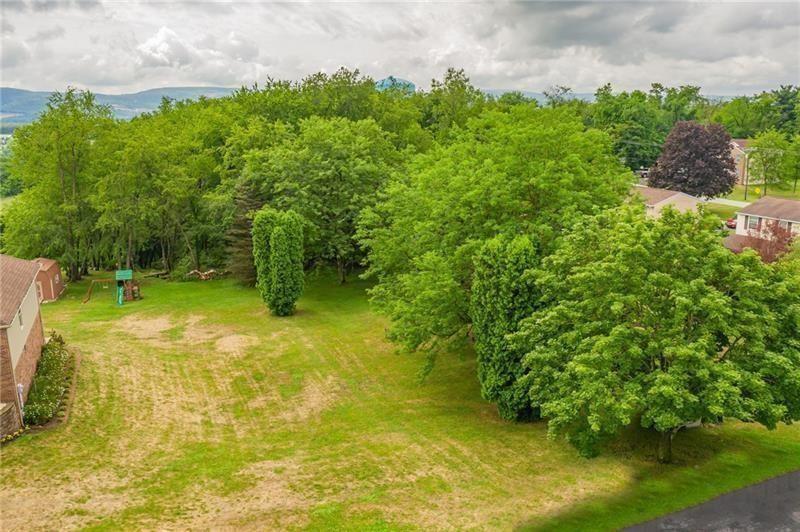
(247, 200)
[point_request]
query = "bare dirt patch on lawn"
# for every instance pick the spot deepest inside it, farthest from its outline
(271, 503)
(150, 330)
(62, 505)
(318, 394)
(235, 344)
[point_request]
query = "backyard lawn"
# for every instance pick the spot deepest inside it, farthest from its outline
(197, 409)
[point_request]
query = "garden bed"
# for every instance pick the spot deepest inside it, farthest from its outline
(47, 400)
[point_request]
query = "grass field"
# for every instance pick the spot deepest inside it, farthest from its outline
(756, 191)
(195, 409)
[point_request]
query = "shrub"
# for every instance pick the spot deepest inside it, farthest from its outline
(49, 383)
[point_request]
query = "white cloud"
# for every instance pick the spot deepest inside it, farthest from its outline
(123, 46)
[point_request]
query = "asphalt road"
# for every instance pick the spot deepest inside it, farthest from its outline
(772, 505)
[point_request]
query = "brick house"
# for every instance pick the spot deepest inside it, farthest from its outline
(21, 337)
(49, 280)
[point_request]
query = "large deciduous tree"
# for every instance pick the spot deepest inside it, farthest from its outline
(770, 159)
(696, 159)
(55, 157)
(330, 171)
(655, 321)
(525, 170)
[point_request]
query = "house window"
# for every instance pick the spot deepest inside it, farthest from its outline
(19, 316)
(753, 222)
(783, 224)
(58, 278)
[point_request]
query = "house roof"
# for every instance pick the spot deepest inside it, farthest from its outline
(16, 276)
(46, 264)
(771, 207)
(653, 196)
(742, 144)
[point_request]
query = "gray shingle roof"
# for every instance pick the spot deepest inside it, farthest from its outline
(778, 208)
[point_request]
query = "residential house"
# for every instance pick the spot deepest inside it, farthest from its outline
(656, 199)
(21, 337)
(740, 159)
(49, 280)
(758, 218)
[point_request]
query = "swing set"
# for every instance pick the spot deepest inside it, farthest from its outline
(127, 289)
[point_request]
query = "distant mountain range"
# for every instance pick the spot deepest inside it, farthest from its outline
(19, 106)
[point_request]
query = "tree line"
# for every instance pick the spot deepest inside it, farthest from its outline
(498, 224)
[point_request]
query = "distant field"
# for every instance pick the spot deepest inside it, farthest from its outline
(195, 409)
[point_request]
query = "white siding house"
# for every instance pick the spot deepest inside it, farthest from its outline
(754, 220)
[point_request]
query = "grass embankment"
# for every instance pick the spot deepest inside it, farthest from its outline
(196, 409)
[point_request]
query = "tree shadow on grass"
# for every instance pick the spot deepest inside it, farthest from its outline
(707, 462)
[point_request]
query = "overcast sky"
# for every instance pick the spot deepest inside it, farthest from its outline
(123, 46)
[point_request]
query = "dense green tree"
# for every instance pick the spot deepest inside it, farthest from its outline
(510, 99)
(503, 293)
(681, 103)
(745, 116)
(10, 184)
(527, 170)
(696, 159)
(786, 102)
(655, 321)
(451, 102)
(55, 158)
(635, 120)
(330, 171)
(770, 159)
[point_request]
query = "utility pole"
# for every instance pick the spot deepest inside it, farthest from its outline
(746, 173)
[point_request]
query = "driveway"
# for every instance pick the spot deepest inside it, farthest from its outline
(773, 505)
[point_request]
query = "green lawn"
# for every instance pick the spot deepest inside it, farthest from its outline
(722, 211)
(195, 409)
(756, 191)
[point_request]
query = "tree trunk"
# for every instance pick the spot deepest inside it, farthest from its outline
(74, 271)
(665, 447)
(340, 265)
(129, 257)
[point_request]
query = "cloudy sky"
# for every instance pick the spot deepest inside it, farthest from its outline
(125, 45)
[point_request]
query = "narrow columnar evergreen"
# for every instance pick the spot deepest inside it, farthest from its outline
(503, 293)
(278, 257)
